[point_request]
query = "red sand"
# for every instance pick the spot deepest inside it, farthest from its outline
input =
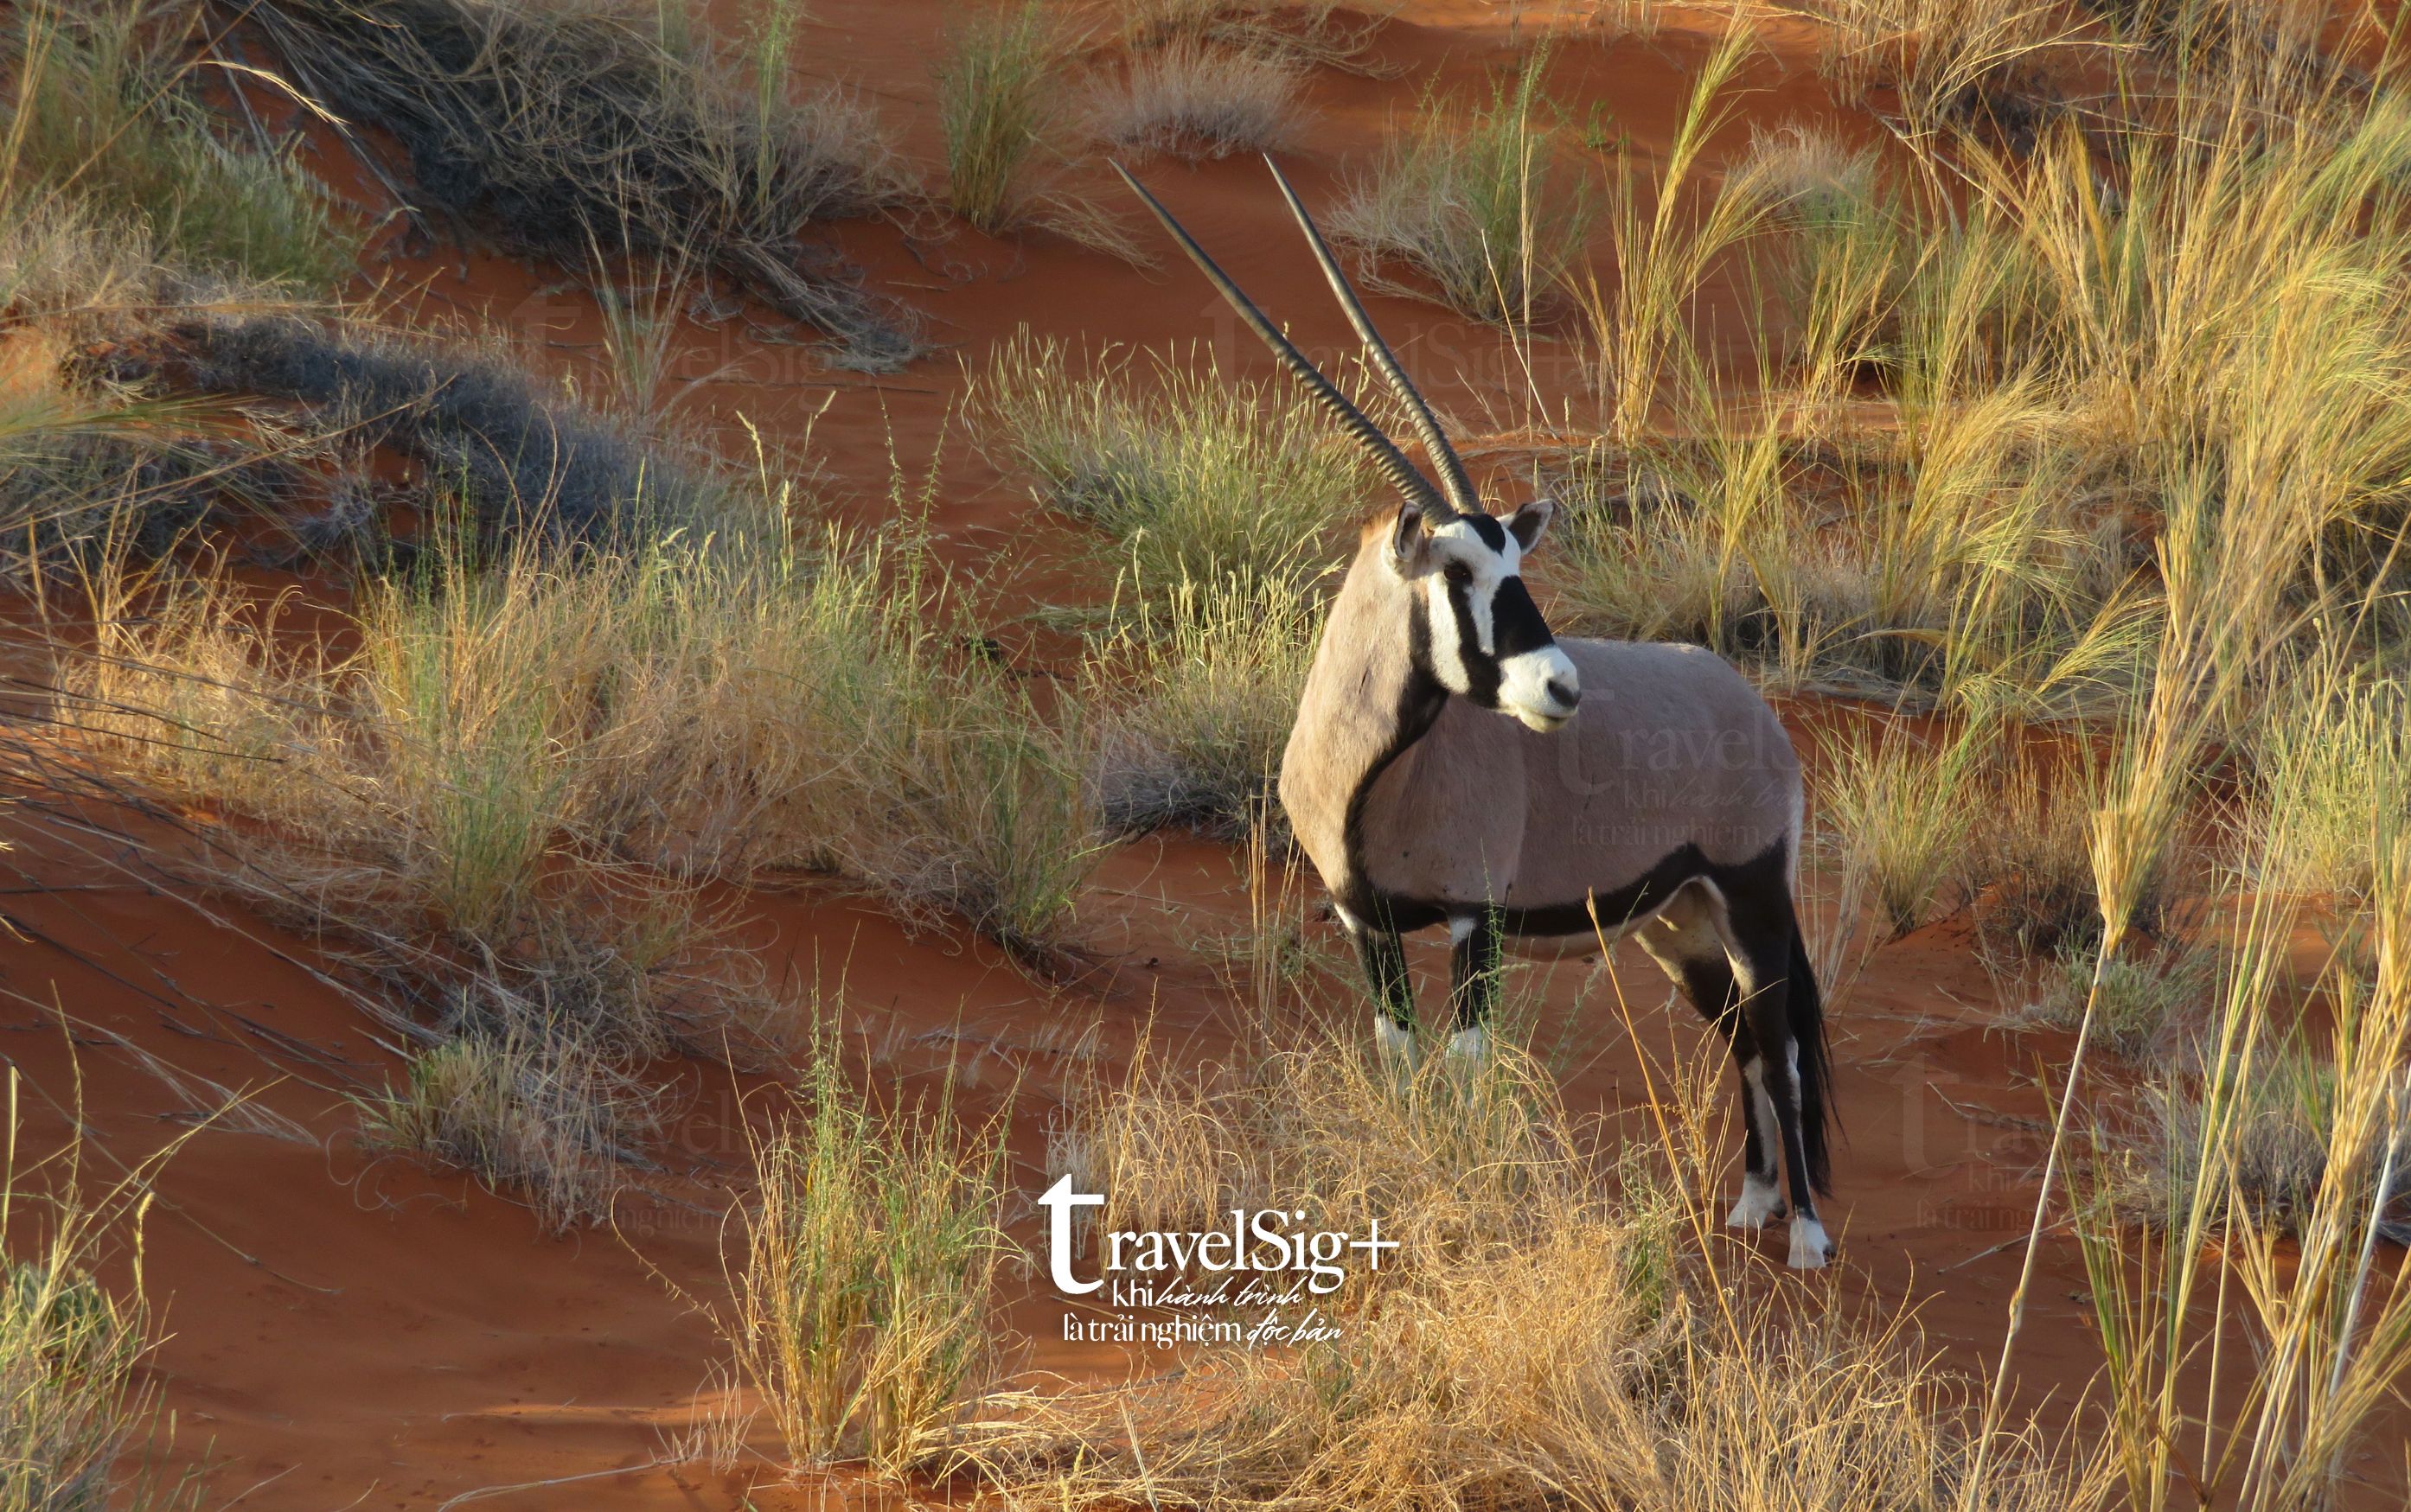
(355, 1333)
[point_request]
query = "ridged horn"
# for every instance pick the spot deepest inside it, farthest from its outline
(1443, 456)
(1417, 489)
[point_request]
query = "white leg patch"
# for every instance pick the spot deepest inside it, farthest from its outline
(1810, 1249)
(1760, 1203)
(1469, 1046)
(1395, 1044)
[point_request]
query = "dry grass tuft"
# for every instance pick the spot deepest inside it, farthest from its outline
(1947, 58)
(555, 129)
(1540, 1334)
(1196, 101)
(2033, 860)
(1319, 33)
(2267, 1168)
(526, 1104)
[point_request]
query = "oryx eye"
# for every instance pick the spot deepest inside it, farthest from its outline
(1459, 573)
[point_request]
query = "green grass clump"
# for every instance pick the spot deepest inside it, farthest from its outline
(1476, 206)
(999, 90)
(1196, 692)
(508, 792)
(701, 709)
(862, 1289)
(1905, 809)
(106, 111)
(2334, 762)
(1195, 476)
(78, 1400)
(2138, 995)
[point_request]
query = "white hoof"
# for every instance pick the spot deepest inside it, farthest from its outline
(1393, 1044)
(1810, 1248)
(1468, 1047)
(1760, 1203)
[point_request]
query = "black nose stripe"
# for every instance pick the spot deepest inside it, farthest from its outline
(1515, 623)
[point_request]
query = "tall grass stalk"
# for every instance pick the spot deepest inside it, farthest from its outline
(2328, 1334)
(2222, 562)
(771, 47)
(1665, 246)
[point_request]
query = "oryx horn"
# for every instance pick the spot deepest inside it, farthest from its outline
(1443, 456)
(1409, 481)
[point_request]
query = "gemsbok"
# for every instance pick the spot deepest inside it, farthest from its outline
(1630, 787)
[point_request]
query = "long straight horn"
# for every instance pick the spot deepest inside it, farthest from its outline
(1417, 489)
(1443, 456)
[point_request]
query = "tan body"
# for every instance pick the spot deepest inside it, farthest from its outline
(1671, 748)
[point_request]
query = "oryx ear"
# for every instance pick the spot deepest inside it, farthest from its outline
(1532, 522)
(1410, 541)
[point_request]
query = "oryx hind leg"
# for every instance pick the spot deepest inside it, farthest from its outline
(1758, 929)
(1687, 943)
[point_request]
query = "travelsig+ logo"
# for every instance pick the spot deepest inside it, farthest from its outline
(1261, 1259)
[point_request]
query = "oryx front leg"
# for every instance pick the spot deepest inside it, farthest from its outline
(1474, 964)
(1383, 956)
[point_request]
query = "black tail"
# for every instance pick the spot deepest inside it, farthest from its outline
(1805, 1007)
